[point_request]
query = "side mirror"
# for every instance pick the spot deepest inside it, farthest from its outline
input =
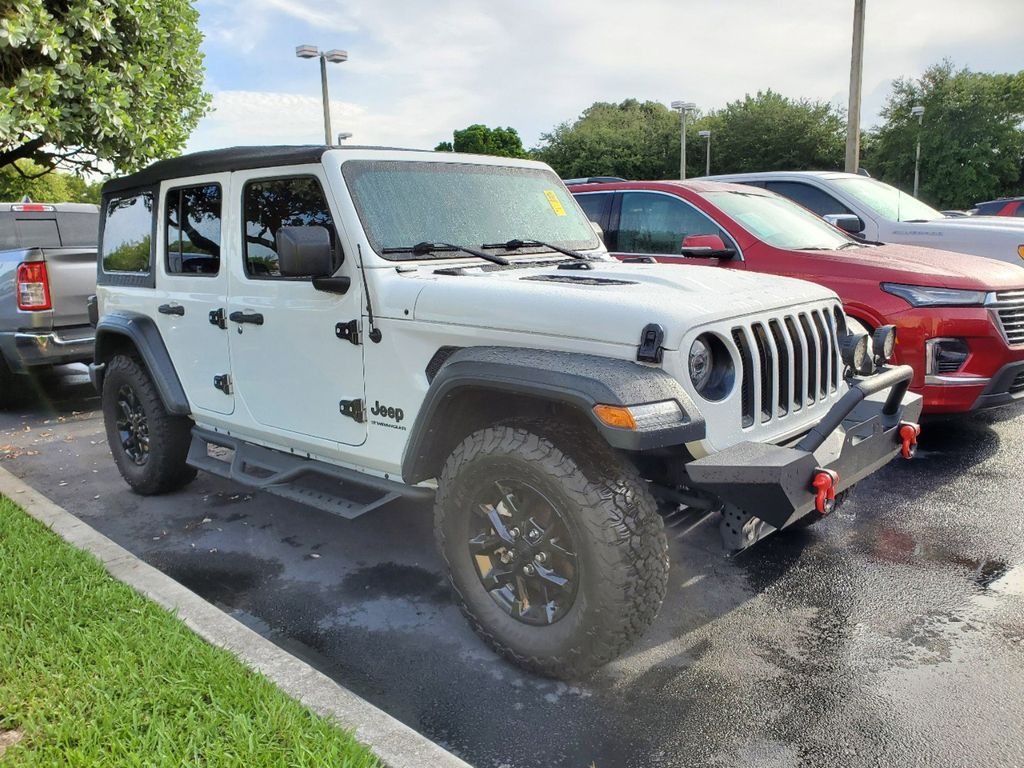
(597, 230)
(706, 247)
(304, 252)
(846, 222)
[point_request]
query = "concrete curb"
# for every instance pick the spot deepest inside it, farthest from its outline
(398, 745)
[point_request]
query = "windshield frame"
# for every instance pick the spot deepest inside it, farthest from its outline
(352, 169)
(844, 239)
(848, 185)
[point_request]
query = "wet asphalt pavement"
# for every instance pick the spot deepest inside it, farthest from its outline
(891, 634)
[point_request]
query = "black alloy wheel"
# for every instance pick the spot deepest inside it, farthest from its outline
(132, 426)
(524, 552)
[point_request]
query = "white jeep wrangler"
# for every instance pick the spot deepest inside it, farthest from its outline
(360, 324)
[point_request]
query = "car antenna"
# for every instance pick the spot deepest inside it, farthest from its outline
(375, 334)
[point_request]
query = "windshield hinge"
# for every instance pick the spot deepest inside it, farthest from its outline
(348, 331)
(223, 383)
(353, 409)
(650, 349)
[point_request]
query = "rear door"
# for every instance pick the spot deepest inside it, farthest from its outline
(192, 253)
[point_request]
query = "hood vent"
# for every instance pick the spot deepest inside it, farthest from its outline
(578, 280)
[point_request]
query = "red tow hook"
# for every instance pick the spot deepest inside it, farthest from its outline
(908, 434)
(825, 482)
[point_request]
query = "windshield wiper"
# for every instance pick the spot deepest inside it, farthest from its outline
(516, 244)
(422, 249)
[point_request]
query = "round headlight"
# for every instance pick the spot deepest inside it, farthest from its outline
(883, 341)
(702, 363)
(856, 351)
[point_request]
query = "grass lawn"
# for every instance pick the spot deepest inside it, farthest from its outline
(93, 674)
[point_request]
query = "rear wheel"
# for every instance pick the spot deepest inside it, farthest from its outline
(558, 560)
(148, 443)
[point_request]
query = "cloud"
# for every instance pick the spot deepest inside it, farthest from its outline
(418, 70)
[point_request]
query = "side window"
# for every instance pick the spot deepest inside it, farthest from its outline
(1020, 210)
(653, 223)
(128, 234)
(286, 202)
(595, 205)
(194, 230)
(809, 197)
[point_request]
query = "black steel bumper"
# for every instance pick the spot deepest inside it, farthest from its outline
(857, 436)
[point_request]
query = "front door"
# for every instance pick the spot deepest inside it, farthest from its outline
(657, 223)
(289, 366)
(193, 281)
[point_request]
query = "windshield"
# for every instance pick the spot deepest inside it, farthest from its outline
(402, 203)
(779, 221)
(887, 201)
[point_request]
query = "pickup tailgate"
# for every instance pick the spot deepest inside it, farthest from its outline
(72, 277)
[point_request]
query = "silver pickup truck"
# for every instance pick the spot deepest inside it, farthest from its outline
(47, 272)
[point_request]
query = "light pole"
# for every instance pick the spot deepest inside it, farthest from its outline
(917, 112)
(334, 56)
(683, 107)
(856, 75)
(707, 161)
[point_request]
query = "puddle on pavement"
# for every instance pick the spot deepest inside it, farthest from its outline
(221, 577)
(395, 580)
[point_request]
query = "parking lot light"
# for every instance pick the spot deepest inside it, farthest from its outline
(707, 160)
(683, 107)
(335, 56)
(918, 112)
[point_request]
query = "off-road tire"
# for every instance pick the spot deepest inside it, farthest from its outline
(620, 538)
(165, 469)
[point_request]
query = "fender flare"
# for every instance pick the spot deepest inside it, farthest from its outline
(145, 337)
(578, 380)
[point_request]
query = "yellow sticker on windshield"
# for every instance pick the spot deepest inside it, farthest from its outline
(554, 202)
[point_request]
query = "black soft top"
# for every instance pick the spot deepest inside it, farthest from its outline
(217, 161)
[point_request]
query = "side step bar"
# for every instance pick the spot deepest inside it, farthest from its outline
(340, 491)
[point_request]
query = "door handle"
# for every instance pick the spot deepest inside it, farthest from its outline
(171, 309)
(246, 317)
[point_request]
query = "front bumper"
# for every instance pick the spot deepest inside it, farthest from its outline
(24, 350)
(859, 435)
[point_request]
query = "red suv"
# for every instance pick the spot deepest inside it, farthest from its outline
(960, 317)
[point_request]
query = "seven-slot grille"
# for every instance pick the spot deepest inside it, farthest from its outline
(787, 363)
(1009, 307)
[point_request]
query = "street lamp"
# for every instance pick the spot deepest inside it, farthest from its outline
(707, 161)
(334, 56)
(683, 107)
(917, 112)
(342, 136)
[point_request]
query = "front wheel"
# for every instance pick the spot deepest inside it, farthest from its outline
(148, 443)
(558, 560)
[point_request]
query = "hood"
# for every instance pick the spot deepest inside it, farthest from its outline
(611, 303)
(917, 265)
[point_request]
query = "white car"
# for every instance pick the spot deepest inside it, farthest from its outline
(361, 324)
(885, 214)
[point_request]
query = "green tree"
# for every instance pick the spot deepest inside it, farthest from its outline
(636, 140)
(481, 140)
(769, 132)
(83, 82)
(972, 144)
(25, 178)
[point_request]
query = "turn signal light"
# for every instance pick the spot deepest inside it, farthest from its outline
(1020, 251)
(615, 416)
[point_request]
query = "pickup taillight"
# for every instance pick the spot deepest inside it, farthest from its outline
(33, 286)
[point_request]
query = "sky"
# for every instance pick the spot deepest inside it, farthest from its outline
(418, 70)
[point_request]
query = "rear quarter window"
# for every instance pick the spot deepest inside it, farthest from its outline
(128, 234)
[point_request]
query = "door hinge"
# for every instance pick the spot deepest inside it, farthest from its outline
(223, 383)
(348, 331)
(651, 338)
(217, 318)
(353, 409)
